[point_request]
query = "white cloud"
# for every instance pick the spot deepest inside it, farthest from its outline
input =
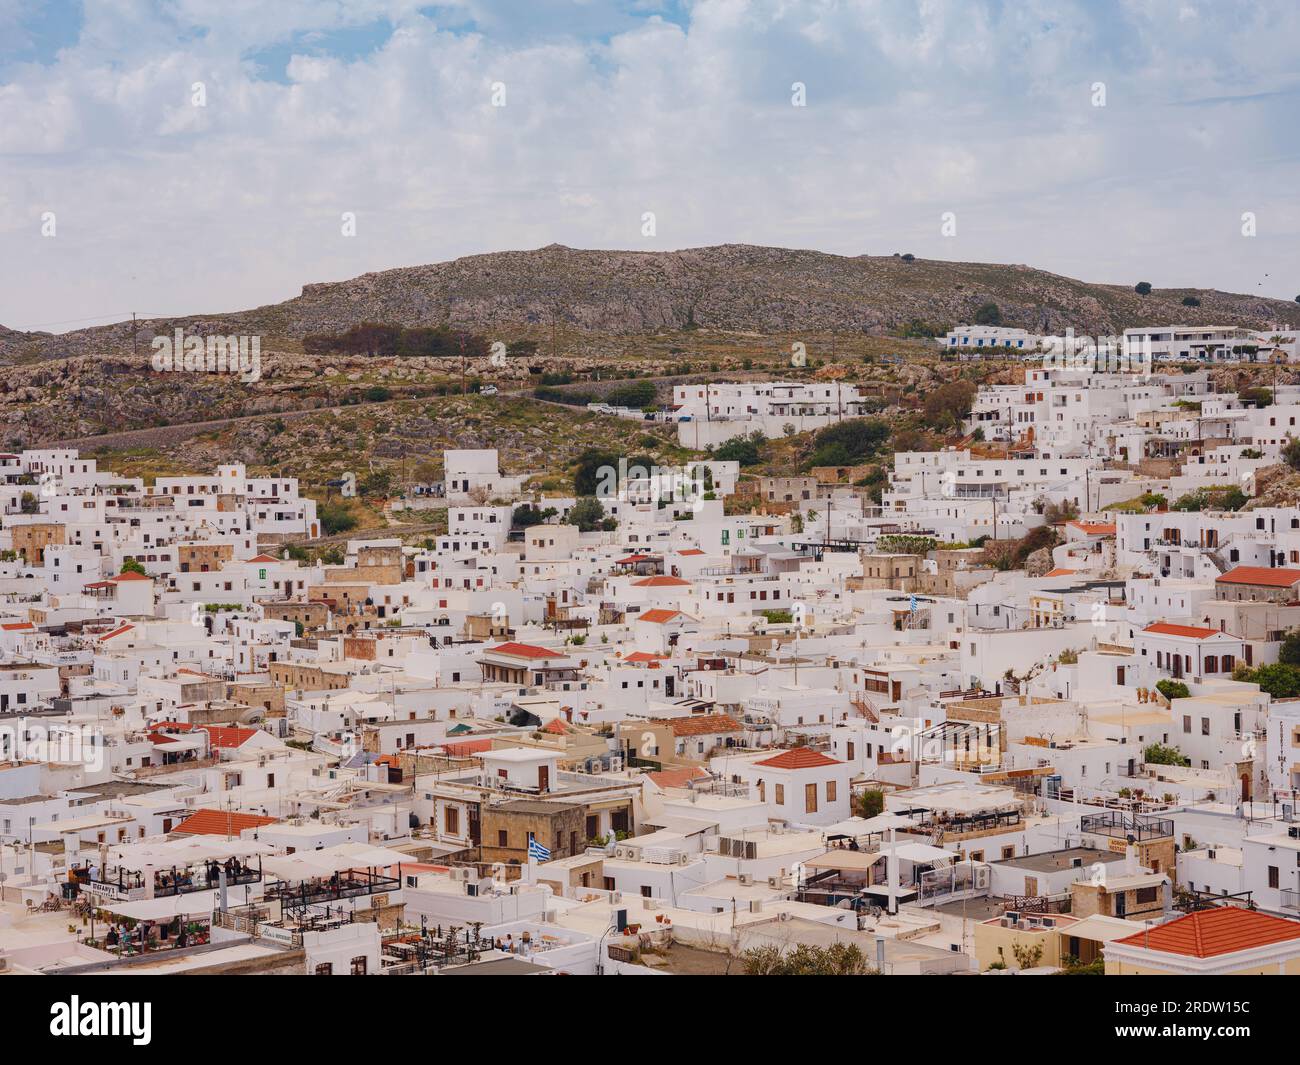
(979, 108)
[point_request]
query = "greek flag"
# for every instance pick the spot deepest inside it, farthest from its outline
(536, 852)
(911, 602)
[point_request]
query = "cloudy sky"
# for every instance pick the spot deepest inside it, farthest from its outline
(199, 155)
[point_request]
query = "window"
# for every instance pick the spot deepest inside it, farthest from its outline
(780, 795)
(359, 965)
(451, 820)
(1273, 880)
(503, 838)
(325, 968)
(810, 798)
(830, 791)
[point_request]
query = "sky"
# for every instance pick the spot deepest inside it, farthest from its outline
(197, 156)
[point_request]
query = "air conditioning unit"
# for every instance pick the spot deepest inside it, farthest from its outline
(774, 882)
(745, 879)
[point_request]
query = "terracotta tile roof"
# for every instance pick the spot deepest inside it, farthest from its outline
(228, 736)
(1059, 573)
(632, 560)
(1095, 528)
(658, 616)
(116, 632)
(1209, 933)
(221, 823)
(691, 551)
(263, 558)
(525, 650)
(1278, 577)
(677, 778)
(1194, 632)
(661, 581)
(700, 724)
(799, 758)
(556, 727)
(15, 625)
(644, 656)
(130, 577)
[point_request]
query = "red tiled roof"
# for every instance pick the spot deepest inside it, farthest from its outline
(658, 616)
(677, 778)
(221, 823)
(14, 625)
(130, 577)
(1272, 577)
(228, 736)
(525, 650)
(1221, 930)
(1194, 632)
(661, 581)
(263, 558)
(116, 632)
(799, 758)
(632, 560)
(1095, 528)
(556, 727)
(1059, 573)
(644, 656)
(690, 551)
(700, 724)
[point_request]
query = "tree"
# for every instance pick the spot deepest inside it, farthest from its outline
(336, 517)
(1143, 288)
(132, 565)
(1191, 301)
(1291, 453)
(871, 803)
(947, 405)
(1173, 689)
(587, 514)
(528, 515)
(848, 443)
(1213, 497)
(1280, 680)
(742, 449)
(988, 314)
(597, 471)
(1159, 754)
(1289, 652)
(1259, 396)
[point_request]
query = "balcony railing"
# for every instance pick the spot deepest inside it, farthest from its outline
(330, 889)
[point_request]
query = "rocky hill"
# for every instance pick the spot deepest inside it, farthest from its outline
(732, 287)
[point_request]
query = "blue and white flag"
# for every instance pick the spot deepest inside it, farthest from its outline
(536, 852)
(911, 602)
